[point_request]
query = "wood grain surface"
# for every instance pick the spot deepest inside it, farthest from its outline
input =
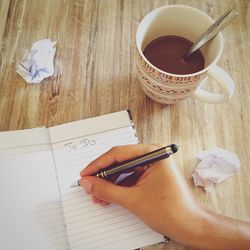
(96, 74)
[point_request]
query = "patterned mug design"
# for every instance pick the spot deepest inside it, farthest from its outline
(165, 77)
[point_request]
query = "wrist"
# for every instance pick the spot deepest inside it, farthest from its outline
(213, 231)
(187, 228)
(197, 235)
(202, 231)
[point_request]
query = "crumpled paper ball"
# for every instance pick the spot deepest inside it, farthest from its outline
(38, 62)
(216, 165)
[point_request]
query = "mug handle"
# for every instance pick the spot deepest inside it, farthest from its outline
(223, 79)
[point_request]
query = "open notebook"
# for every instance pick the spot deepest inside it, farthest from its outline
(38, 208)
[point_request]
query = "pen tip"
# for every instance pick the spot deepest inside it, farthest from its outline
(76, 184)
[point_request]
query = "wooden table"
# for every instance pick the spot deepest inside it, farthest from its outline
(96, 74)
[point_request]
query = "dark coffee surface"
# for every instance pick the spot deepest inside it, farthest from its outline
(166, 53)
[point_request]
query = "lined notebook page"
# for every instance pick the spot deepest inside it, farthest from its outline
(31, 211)
(90, 226)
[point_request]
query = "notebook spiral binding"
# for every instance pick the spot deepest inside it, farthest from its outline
(166, 239)
(132, 124)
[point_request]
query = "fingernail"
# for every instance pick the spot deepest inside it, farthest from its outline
(87, 185)
(104, 203)
(95, 200)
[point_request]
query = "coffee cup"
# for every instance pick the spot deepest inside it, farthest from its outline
(169, 88)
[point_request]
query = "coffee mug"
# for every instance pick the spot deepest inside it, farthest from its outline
(169, 88)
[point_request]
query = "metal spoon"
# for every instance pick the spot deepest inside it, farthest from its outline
(213, 30)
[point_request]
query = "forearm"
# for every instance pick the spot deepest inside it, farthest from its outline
(215, 232)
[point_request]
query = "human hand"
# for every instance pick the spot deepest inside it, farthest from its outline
(160, 197)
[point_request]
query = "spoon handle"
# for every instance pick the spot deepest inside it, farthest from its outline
(219, 25)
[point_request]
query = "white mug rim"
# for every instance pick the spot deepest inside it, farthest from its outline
(216, 59)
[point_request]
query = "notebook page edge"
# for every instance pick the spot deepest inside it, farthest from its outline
(89, 126)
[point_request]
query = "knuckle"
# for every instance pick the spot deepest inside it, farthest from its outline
(98, 191)
(115, 149)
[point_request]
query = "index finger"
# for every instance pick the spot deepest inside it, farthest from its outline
(115, 155)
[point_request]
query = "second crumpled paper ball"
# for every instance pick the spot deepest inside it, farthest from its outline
(215, 166)
(38, 63)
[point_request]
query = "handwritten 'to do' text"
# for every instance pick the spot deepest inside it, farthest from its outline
(82, 144)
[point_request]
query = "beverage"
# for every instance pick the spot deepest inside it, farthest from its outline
(161, 42)
(166, 53)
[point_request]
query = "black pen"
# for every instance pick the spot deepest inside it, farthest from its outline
(156, 155)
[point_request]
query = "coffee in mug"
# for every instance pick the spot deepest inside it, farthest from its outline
(167, 52)
(160, 76)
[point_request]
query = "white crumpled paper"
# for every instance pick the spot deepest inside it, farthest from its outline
(215, 166)
(38, 63)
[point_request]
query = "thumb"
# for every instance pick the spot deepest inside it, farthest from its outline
(107, 191)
